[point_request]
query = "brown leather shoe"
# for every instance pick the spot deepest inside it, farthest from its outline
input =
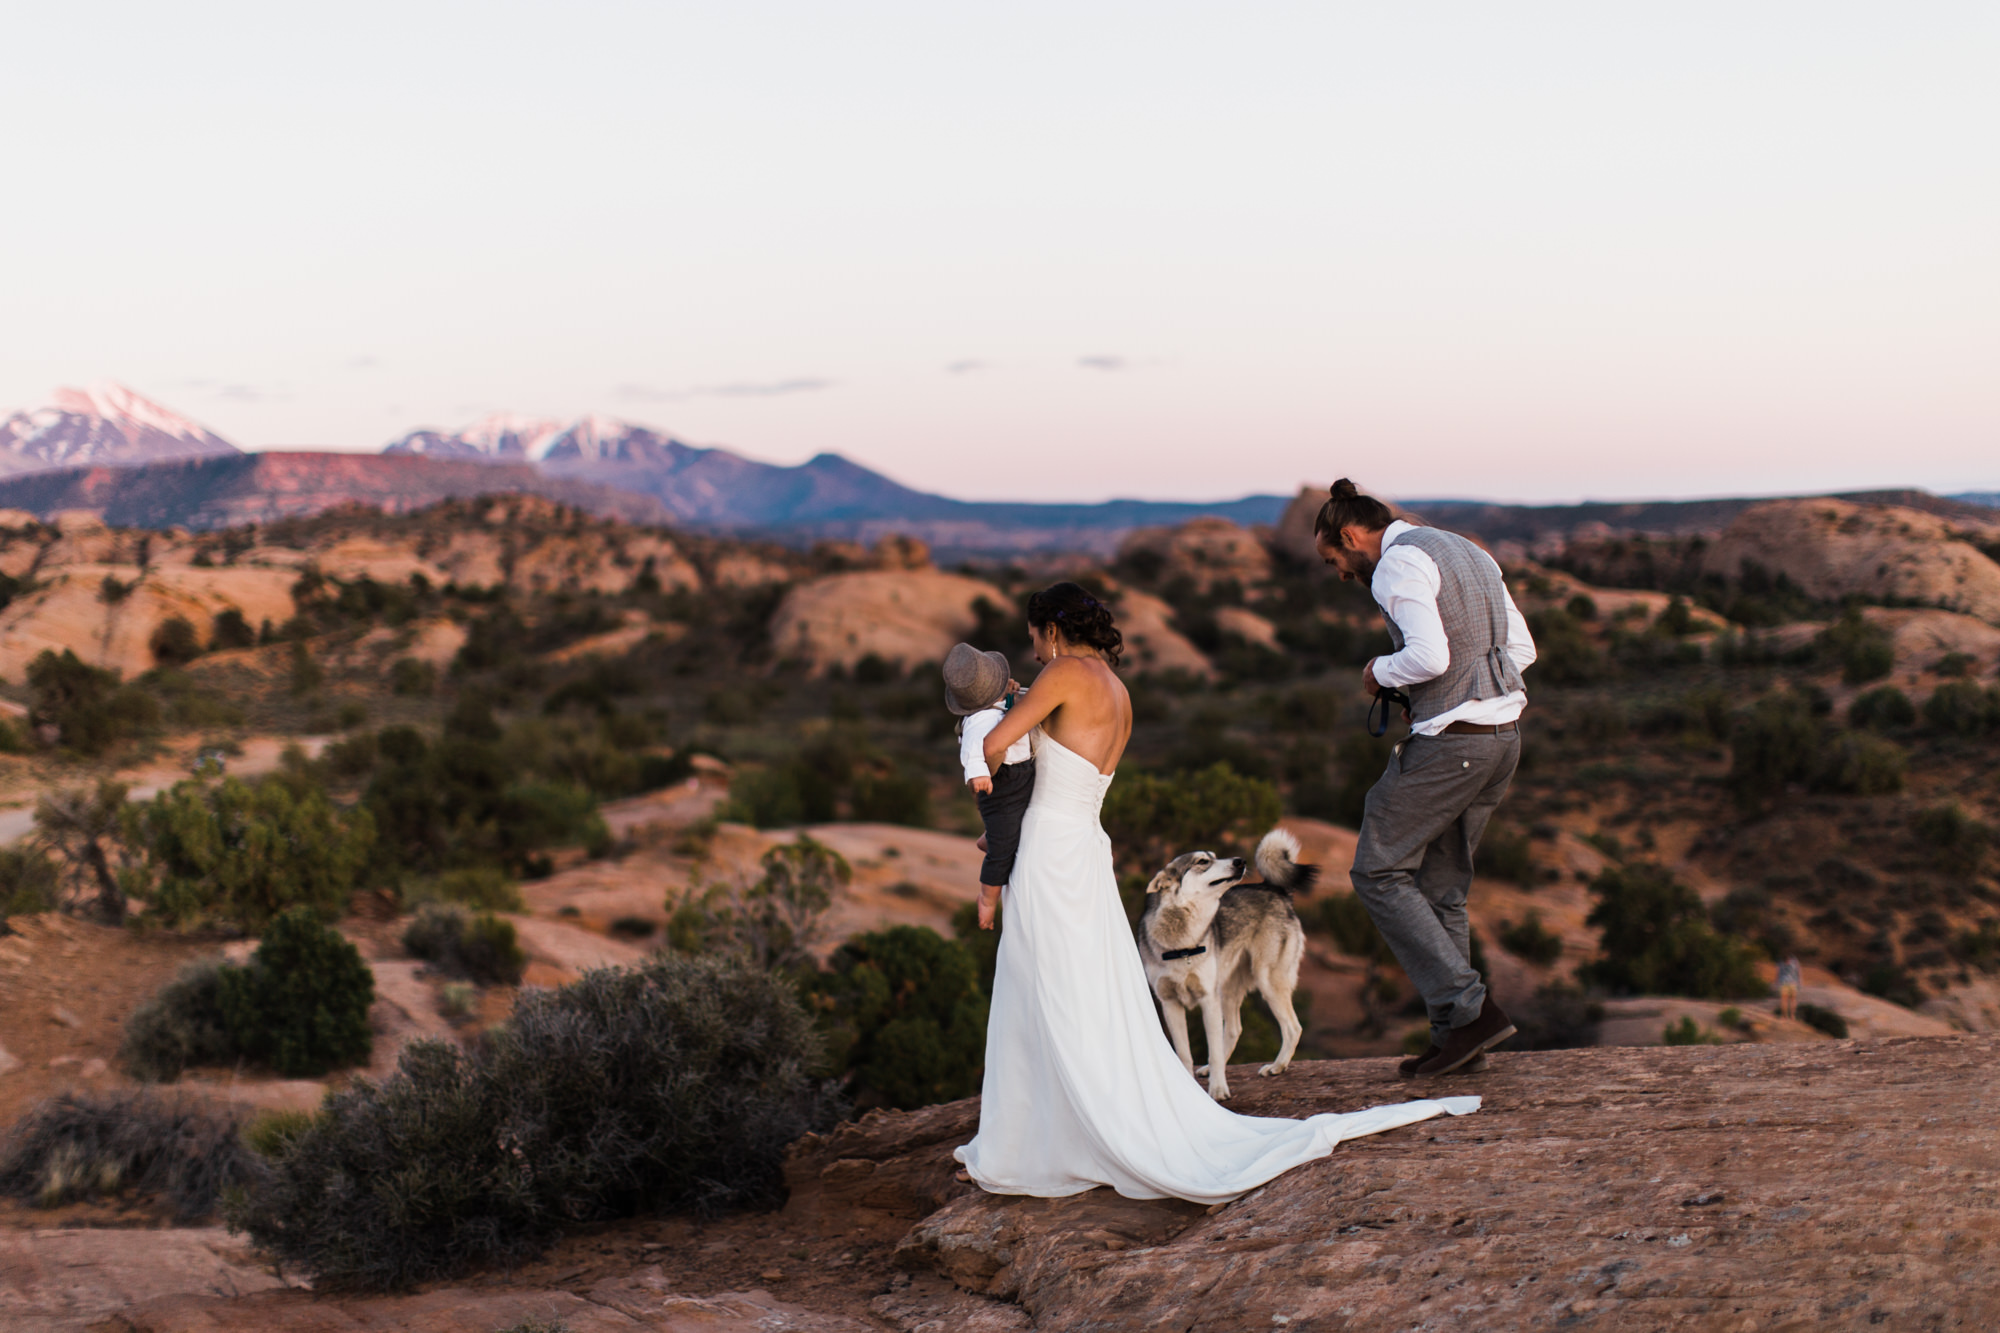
(1463, 1045)
(1408, 1068)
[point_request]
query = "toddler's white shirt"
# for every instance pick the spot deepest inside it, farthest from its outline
(972, 743)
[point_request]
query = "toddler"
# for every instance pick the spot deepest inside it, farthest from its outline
(979, 689)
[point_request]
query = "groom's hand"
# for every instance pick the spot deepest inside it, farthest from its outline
(1368, 679)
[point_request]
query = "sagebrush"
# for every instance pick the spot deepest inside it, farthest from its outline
(673, 1087)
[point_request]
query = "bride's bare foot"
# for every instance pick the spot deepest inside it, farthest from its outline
(962, 1176)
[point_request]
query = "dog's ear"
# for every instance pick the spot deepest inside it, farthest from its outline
(1163, 881)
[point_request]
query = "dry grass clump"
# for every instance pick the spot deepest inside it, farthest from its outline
(97, 1145)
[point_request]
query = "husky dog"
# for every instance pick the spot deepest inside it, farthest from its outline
(1208, 939)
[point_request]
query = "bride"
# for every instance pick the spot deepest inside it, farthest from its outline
(1082, 1088)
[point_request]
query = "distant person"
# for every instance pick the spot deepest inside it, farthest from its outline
(1461, 645)
(1789, 973)
(1082, 1087)
(980, 689)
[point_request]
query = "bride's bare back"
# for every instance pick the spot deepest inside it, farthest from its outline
(1080, 702)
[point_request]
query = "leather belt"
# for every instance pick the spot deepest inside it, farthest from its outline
(1479, 728)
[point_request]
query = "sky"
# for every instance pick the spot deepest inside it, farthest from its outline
(1533, 251)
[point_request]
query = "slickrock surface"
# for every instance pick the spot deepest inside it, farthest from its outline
(1832, 548)
(906, 616)
(1797, 1187)
(1806, 1187)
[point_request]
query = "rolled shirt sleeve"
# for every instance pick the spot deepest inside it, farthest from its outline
(1406, 587)
(972, 742)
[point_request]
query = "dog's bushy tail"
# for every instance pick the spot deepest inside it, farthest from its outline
(1278, 863)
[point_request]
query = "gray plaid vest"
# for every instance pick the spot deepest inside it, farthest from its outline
(1472, 603)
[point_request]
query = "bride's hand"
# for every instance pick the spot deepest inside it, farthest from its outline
(987, 907)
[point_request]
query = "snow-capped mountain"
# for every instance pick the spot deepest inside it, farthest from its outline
(507, 437)
(500, 437)
(105, 425)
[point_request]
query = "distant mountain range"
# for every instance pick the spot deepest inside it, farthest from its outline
(140, 464)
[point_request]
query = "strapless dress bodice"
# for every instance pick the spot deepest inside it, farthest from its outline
(1066, 784)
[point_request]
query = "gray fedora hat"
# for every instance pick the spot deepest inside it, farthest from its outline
(974, 680)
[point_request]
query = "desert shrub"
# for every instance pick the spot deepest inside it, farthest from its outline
(632, 928)
(1565, 654)
(1864, 652)
(903, 1017)
(175, 642)
(1882, 709)
(1657, 940)
(246, 852)
(80, 824)
(673, 1087)
(895, 797)
(1824, 1019)
(301, 1005)
(1980, 947)
(29, 882)
(771, 924)
(1153, 818)
(1345, 917)
(1505, 854)
(1677, 619)
(408, 675)
(483, 888)
(1559, 1017)
(307, 674)
(983, 945)
(1581, 607)
(83, 1145)
(1892, 981)
(481, 948)
(86, 705)
(1687, 1032)
(1963, 709)
(230, 630)
(189, 703)
(464, 800)
(1774, 743)
(1955, 664)
(1855, 763)
(765, 797)
(1954, 841)
(180, 1027)
(1531, 940)
(1359, 761)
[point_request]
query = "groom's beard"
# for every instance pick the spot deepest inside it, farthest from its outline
(1356, 565)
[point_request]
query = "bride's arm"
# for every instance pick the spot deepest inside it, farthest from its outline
(1029, 710)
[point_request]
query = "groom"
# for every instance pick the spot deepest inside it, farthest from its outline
(1461, 645)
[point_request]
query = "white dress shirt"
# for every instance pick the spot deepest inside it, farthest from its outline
(972, 743)
(1406, 586)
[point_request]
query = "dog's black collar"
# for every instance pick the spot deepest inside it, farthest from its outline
(1172, 954)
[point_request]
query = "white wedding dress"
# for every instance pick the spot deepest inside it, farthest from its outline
(1082, 1087)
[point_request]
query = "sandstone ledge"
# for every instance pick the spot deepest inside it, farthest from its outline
(1807, 1187)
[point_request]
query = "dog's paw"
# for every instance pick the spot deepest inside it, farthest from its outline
(1272, 1069)
(1219, 1091)
(1201, 1071)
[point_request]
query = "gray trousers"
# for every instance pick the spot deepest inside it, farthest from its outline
(1413, 864)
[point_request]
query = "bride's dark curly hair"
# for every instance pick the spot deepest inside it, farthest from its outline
(1080, 618)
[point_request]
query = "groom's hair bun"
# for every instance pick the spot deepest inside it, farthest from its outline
(1347, 507)
(1076, 615)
